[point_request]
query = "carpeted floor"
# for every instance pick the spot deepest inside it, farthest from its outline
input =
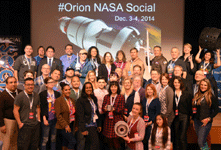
(195, 147)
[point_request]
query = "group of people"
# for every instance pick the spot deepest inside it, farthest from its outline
(74, 103)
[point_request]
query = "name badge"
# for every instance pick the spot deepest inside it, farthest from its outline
(194, 110)
(31, 115)
(176, 112)
(111, 115)
(125, 111)
(146, 118)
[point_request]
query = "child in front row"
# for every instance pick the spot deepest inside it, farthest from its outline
(160, 135)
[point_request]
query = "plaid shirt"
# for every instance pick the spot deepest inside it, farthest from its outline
(108, 128)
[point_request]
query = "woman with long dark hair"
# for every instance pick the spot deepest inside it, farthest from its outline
(120, 60)
(88, 114)
(160, 135)
(94, 57)
(182, 109)
(207, 64)
(113, 107)
(107, 66)
(48, 117)
(136, 128)
(205, 108)
(65, 113)
(151, 108)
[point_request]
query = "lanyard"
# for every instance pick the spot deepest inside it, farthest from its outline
(112, 102)
(69, 59)
(195, 89)
(11, 93)
(147, 105)
(42, 79)
(173, 62)
(205, 65)
(131, 125)
(92, 104)
(108, 70)
(177, 100)
(31, 103)
(29, 65)
(122, 65)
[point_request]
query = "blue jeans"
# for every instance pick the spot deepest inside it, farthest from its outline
(202, 132)
(45, 134)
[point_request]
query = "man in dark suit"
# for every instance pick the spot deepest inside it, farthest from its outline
(54, 63)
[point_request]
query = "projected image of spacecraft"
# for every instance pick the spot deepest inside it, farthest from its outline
(85, 32)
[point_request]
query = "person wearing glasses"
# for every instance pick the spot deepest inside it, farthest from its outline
(27, 114)
(82, 65)
(48, 117)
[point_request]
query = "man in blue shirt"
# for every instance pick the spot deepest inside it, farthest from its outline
(41, 55)
(68, 58)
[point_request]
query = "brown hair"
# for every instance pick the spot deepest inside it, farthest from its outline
(165, 131)
(124, 57)
(141, 108)
(166, 76)
(104, 61)
(182, 87)
(199, 95)
(154, 90)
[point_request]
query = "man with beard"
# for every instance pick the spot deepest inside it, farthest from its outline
(8, 124)
(68, 58)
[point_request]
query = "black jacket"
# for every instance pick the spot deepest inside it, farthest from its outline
(44, 103)
(102, 70)
(83, 107)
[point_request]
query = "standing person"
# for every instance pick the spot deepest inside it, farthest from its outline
(8, 124)
(94, 57)
(135, 60)
(159, 62)
(68, 58)
(136, 128)
(28, 74)
(85, 66)
(137, 70)
(139, 90)
(107, 66)
(69, 73)
(100, 92)
(27, 114)
(191, 66)
(41, 55)
(206, 106)
(160, 135)
(182, 110)
(166, 98)
(129, 95)
(55, 76)
(48, 118)
(53, 62)
(45, 73)
(175, 61)
(88, 114)
(206, 64)
(113, 107)
(120, 61)
(151, 108)
(91, 77)
(155, 80)
(23, 63)
(76, 90)
(65, 114)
